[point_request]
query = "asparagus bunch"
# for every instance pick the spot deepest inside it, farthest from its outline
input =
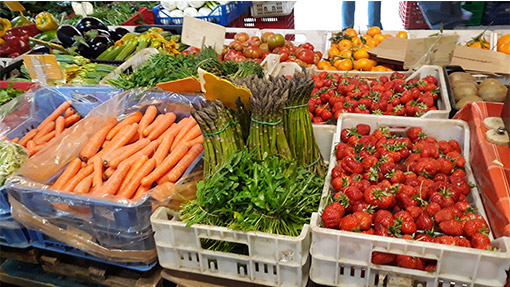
(221, 131)
(298, 126)
(267, 135)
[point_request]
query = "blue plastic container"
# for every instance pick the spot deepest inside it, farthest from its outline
(42, 241)
(12, 234)
(222, 14)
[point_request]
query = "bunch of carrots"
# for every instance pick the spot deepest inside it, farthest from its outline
(126, 159)
(60, 119)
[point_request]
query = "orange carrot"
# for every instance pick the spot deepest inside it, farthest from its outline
(105, 144)
(30, 135)
(46, 138)
(131, 119)
(135, 167)
(60, 124)
(140, 192)
(68, 112)
(148, 150)
(185, 128)
(163, 149)
(150, 127)
(120, 139)
(185, 162)
(71, 170)
(197, 140)
(73, 182)
(95, 142)
(135, 182)
(162, 180)
(84, 185)
(31, 144)
(193, 133)
(69, 121)
(36, 149)
(15, 140)
(45, 130)
(108, 173)
(97, 179)
(171, 160)
(113, 183)
(148, 117)
(167, 120)
(114, 158)
(83, 164)
(56, 113)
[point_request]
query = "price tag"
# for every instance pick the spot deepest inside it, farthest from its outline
(14, 6)
(44, 68)
(198, 33)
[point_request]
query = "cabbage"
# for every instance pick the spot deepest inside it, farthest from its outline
(176, 13)
(191, 12)
(12, 157)
(181, 5)
(196, 4)
(204, 11)
(169, 5)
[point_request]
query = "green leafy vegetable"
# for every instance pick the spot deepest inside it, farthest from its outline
(9, 93)
(12, 157)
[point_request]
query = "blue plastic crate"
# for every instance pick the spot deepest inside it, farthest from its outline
(222, 14)
(42, 241)
(12, 234)
(46, 100)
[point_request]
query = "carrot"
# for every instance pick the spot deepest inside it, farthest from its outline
(44, 130)
(15, 140)
(186, 127)
(115, 157)
(30, 135)
(185, 162)
(167, 120)
(135, 167)
(150, 127)
(197, 140)
(163, 149)
(105, 144)
(120, 139)
(193, 133)
(31, 144)
(148, 150)
(140, 192)
(71, 170)
(108, 173)
(171, 160)
(69, 112)
(97, 179)
(113, 183)
(148, 117)
(131, 119)
(135, 182)
(56, 113)
(95, 142)
(83, 164)
(36, 149)
(84, 185)
(46, 138)
(162, 180)
(73, 182)
(60, 124)
(69, 121)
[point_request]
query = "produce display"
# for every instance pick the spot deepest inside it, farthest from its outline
(466, 89)
(35, 139)
(335, 94)
(125, 159)
(410, 187)
(9, 93)
(349, 51)
(257, 48)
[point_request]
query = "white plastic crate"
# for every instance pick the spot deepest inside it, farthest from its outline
(318, 38)
(271, 8)
(324, 136)
(273, 260)
(344, 258)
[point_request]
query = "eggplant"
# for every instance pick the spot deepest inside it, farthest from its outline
(90, 23)
(118, 33)
(66, 33)
(98, 45)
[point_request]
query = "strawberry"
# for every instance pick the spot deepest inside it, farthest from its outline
(462, 205)
(415, 211)
(424, 222)
(474, 226)
(383, 258)
(369, 231)
(481, 241)
(383, 217)
(461, 241)
(430, 268)
(424, 238)
(363, 129)
(445, 239)
(432, 208)
(446, 214)
(365, 219)
(404, 215)
(408, 227)
(332, 214)
(350, 223)
(406, 261)
(407, 236)
(451, 227)
(353, 193)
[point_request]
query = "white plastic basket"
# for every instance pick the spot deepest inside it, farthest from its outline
(318, 38)
(271, 8)
(324, 136)
(344, 258)
(273, 260)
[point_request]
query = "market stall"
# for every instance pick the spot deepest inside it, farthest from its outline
(243, 152)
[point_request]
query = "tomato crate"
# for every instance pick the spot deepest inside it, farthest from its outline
(273, 22)
(411, 15)
(344, 258)
(267, 259)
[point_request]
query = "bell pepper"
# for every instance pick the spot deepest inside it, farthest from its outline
(14, 47)
(20, 21)
(16, 32)
(46, 22)
(4, 26)
(47, 36)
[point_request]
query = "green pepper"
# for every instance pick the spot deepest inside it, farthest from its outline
(45, 21)
(47, 36)
(20, 21)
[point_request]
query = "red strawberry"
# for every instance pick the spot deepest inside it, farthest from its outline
(353, 193)
(363, 129)
(383, 217)
(424, 238)
(404, 215)
(430, 268)
(332, 214)
(461, 241)
(383, 258)
(369, 231)
(415, 211)
(481, 241)
(408, 227)
(424, 222)
(350, 223)
(432, 208)
(474, 226)
(420, 265)
(462, 205)
(446, 214)
(365, 219)
(451, 227)
(445, 239)
(407, 236)
(406, 261)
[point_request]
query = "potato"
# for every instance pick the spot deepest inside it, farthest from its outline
(461, 76)
(460, 104)
(464, 90)
(493, 93)
(490, 82)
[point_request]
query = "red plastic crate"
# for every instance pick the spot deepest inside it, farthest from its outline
(411, 15)
(146, 15)
(275, 22)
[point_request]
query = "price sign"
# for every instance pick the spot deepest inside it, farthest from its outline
(44, 68)
(200, 34)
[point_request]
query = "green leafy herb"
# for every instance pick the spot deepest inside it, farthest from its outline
(12, 157)
(9, 93)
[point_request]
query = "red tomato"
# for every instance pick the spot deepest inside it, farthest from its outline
(290, 46)
(265, 36)
(236, 45)
(308, 46)
(231, 54)
(254, 41)
(283, 52)
(252, 52)
(306, 56)
(264, 47)
(241, 37)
